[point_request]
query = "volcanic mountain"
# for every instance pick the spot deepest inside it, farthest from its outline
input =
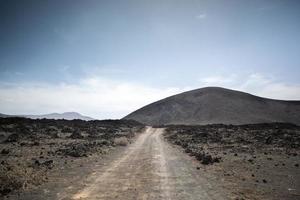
(214, 105)
(65, 115)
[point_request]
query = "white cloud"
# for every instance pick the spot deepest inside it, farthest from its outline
(106, 98)
(256, 84)
(270, 88)
(96, 97)
(218, 80)
(201, 16)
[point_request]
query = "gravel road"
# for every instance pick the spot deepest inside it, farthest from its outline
(150, 168)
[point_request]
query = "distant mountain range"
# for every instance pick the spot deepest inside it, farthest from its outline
(214, 105)
(65, 115)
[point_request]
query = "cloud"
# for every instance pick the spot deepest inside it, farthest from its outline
(201, 16)
(270, 87)
(94, 96)
(109, 98)
(218, 80)
(256, 84)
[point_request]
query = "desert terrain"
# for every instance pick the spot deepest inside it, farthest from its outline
(150, 100)
(257, 161)
(34, 152)
(59, 159)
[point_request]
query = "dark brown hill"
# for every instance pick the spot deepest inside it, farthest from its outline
(214, 105)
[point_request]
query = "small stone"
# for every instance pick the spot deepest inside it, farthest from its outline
(264, 181)
(5, 151)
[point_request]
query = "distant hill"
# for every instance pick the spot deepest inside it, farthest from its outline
(214, 105)
(65, 115)
(4, 115)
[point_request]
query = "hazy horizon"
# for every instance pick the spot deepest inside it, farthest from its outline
(104, 59)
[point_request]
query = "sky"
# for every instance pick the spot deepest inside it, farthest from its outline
(107, 58)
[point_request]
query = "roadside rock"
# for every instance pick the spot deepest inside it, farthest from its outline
(5, 151)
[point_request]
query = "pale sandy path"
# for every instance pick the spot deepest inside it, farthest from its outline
(149, 169)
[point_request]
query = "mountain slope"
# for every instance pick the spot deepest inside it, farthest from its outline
(213, 105)
(65, 115)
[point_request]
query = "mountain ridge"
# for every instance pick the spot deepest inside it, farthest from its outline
(211, 105)
(64, 115)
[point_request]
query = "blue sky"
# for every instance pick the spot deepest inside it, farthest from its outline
(107, 58)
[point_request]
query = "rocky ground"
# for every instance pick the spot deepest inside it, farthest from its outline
(253, 161)
(42, 158)
(32, 150)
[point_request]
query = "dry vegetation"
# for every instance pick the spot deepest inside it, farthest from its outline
(253, 161)
(121, 141)
(31, 149)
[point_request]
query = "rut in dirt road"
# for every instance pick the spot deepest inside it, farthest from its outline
(149, 169)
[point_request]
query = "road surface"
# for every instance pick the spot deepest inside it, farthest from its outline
(151, 169)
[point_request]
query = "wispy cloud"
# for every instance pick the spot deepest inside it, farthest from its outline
(218, 80)
(94, 96)
(201, 16)
(270, 87)
(257, 84)
(109, 98)
(264, 8)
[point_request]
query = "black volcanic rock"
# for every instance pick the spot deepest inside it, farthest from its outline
(213, 105)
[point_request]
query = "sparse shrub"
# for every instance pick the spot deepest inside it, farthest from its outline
(40, 148)
(13, 137)
(76, 135)
(66, 129)
(121, 141)
(15, 177)
(75, 150)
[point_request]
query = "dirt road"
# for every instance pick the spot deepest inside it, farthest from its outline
(149, 169)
